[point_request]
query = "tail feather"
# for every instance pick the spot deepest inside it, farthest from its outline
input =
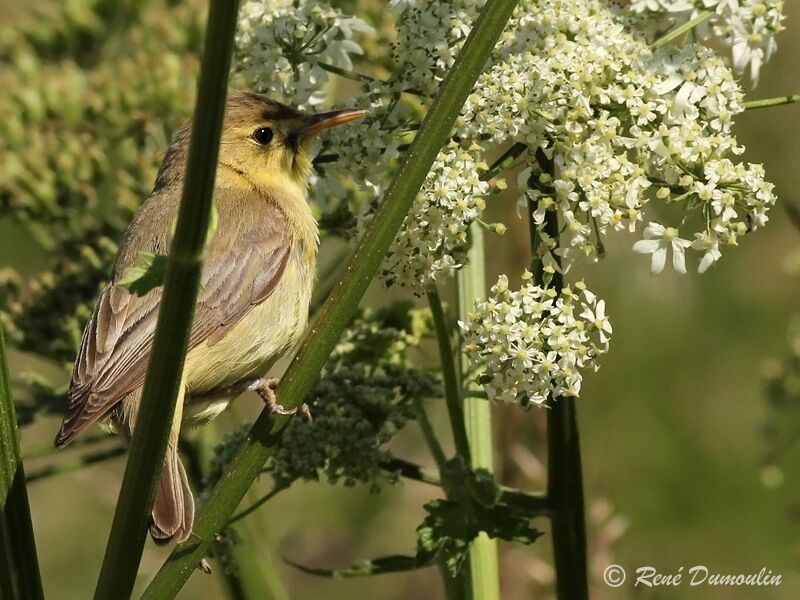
(173, 509)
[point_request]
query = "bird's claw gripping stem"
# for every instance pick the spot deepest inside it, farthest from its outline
(267, 392)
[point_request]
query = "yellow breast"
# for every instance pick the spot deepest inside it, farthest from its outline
(270, 328)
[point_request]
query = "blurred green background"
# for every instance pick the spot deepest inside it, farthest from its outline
(672, 427)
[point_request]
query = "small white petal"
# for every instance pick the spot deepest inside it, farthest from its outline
(659, 260)
(646, 246)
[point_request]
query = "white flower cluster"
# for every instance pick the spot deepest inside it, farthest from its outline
(749, 27)
(612, 129)
(281, 43)
(433, 240)
(429, 35)
(533, 343)
(619, 127)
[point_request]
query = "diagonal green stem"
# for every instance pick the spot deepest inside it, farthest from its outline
(164, 373)
(343, 302)
(452, 394)
(681, 29)
(429, 434)
(19, 566)
(76, 464)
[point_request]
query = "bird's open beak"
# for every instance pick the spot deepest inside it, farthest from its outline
(316, 123)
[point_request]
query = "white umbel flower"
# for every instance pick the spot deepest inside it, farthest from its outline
(532, 344)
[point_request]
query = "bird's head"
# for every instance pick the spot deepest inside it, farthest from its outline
(266, 140)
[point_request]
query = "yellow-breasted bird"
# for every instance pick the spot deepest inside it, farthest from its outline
(256, 285)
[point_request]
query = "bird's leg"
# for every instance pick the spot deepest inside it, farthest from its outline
(264, 387)
(267, 392)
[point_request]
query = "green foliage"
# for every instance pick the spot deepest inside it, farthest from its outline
(356, 412)
(377, 566)
(146, 275)
(95, 89)
(382, 335)
(451, 526)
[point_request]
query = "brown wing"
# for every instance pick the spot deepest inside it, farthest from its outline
(245, 262)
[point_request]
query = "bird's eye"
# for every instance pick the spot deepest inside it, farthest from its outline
(263, 135)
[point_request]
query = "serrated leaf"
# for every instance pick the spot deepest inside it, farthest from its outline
(394, 563)
(450, 527)
(147, 274)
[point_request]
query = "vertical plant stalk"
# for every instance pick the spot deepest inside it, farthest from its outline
(452, 393)
(341, 306)
(164, 373)
(456, 587)
(483, 563)
(19, 565)
(565, 480)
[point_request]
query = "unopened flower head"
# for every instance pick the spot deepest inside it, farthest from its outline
(532, 344)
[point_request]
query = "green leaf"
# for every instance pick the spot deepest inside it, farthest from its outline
(394, 563)
(450, 527)
(147, 274)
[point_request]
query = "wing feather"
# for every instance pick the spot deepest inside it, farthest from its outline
(246, 260)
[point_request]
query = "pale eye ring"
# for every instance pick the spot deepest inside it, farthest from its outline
(263, 135)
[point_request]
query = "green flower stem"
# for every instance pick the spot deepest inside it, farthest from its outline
(257, 504)
(19, 565)
(452, 394)
(504, 161)
(342, 305)
(429, 434)
(164, 373)
(533, 504)
(565, 483)
(49, 450)
(483, 562)
(70, 466)
(679, 31)
(347, 74)
(767, 102)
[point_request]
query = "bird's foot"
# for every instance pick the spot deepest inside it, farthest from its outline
(267, 393)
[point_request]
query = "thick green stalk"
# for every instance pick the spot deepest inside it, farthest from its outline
(19, 564)
(343, 302)
(483, 564)
(565, 481)
(452, 394)
(164, 373)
